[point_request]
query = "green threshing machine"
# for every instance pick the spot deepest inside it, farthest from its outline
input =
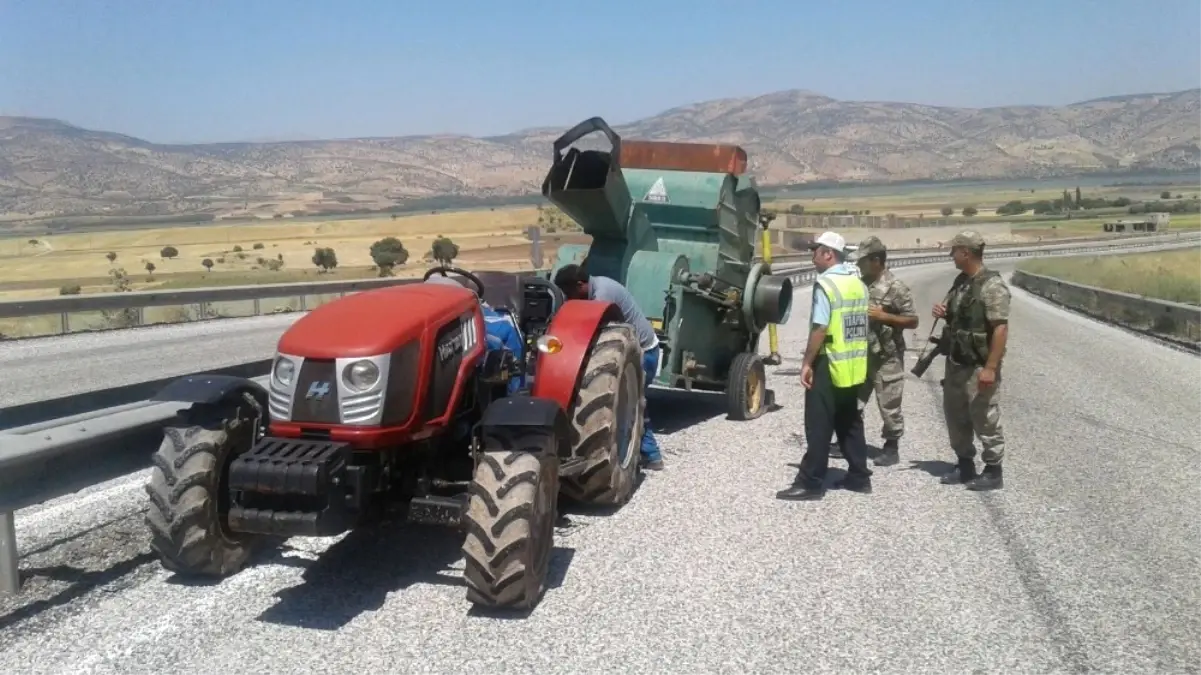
(675, 223)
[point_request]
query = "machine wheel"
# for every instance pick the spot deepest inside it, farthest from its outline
(747, 388)
(606, 420)
(510, 518)
(188, 500)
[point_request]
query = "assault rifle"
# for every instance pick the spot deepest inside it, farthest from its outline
(927, 357)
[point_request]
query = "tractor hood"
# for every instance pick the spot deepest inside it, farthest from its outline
(374, 322)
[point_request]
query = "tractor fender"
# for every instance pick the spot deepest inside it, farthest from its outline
(576, 325)
(529, 411)
(209, 389)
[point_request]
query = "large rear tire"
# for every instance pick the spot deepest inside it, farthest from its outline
(189, 504)
(510, 518)
(606, 420)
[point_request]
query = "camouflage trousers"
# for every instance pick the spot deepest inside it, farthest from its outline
(972, 412)
(886, 377)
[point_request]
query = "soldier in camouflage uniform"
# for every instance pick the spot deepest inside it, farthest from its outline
(890, 313)
(976, 310)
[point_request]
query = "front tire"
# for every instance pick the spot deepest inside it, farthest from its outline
(510, 518)
(189, 503)
(607, 419)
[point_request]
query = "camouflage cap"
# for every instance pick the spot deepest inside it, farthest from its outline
(968, 239)
(871, 245)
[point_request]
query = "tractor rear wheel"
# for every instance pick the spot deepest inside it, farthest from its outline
(606, 420)
(510, 518)
(189, 503)
(746, 389)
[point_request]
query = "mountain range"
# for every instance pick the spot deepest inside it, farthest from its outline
(51, 168)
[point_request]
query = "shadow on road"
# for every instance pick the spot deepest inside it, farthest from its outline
(79, 583)
(357, 573)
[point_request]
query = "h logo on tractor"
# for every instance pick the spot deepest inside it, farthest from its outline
(317, 390)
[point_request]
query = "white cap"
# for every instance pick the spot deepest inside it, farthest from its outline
(832, 240)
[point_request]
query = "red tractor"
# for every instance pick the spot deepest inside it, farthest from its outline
(390, 398)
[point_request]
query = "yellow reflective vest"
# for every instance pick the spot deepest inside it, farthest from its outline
(846, 342)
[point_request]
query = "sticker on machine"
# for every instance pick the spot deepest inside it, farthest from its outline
(657, 193)
(854, 327)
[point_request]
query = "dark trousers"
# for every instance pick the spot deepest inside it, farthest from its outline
(830, 412)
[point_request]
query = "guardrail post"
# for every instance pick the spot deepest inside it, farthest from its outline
(10, 574)
(65, 320)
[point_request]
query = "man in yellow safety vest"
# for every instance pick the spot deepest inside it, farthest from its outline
(834, 370)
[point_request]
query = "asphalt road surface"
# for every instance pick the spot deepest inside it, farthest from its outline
(1088, 561)
(51, 367)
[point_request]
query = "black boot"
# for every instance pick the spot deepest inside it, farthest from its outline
(990, 479)
(889, 454)
(800, 493)
(965, 472)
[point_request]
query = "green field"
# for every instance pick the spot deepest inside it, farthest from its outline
(1165, 275)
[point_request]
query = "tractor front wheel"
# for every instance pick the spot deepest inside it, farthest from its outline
(510, 518)
(746, 391)
(189, 503)
(606, 420)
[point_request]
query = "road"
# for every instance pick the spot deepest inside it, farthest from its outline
(82, 362)
(1088, 561)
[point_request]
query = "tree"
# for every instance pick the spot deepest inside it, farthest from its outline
(208, 264)
(947, 211)
(258, 246)
(444, 250)
(112, 257)
(168, 252)
(1078, 205)
(969, 211)
(237, 249)
(1165, 195)
(150, 269)
(387, 253)
(325, 258)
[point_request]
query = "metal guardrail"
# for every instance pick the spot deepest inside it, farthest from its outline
(1174, 322)
(138, 301)
(25, 451)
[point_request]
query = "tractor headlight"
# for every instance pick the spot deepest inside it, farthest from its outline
(549, 344)
(284, 370)
(361, 375)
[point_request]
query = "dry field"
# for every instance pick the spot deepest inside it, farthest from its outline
(491, 238)
(1166, 275)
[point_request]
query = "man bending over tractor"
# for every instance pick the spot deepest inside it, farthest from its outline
(577, 284)
(499, 330)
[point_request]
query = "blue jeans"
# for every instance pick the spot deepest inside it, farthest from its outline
(650, 365)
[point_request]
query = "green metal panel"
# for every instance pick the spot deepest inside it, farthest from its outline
(648, 226)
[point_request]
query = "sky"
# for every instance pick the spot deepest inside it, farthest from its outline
(236, 70)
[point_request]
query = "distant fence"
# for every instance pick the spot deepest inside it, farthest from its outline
(1175, 321)
(890, 221)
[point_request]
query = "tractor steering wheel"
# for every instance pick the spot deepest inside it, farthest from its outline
(461, 272)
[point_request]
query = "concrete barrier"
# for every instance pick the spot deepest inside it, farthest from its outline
(1173, 320)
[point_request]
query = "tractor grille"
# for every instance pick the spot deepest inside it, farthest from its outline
(279, 402)
(358, 408)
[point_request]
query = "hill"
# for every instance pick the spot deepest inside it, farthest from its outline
(50, 168)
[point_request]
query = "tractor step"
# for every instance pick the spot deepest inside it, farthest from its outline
(293, 487)
(433, 510)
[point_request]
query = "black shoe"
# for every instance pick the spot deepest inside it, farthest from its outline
(965, 472)
(990, 479)
(860, 485)
(800, 493)
(889, 454)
